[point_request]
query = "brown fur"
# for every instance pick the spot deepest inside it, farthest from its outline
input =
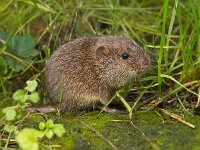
(90, 69)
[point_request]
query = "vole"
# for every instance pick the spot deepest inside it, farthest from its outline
(89, 70)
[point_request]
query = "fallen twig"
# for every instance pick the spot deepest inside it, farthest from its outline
(177, 117)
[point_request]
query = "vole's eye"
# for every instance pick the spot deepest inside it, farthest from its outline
(125, 55)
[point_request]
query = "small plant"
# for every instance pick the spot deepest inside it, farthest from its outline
(9, 113)
(21, 96)
(18, 52)
(28, 138)
(28, 93)
(48, 129)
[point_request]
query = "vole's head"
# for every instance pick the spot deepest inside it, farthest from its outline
(119, 59)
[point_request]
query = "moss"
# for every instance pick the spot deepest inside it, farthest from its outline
(149, 129)
(164, 132)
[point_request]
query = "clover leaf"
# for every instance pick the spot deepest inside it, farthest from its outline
(34, 97)
(59, 130)
(28, 139)
(9, 112)
(20, 96)
(49, 129)
(9, 128)
(31, 85)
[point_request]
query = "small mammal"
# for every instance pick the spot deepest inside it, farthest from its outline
(89, 70)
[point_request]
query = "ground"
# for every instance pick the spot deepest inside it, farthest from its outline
(150, 130)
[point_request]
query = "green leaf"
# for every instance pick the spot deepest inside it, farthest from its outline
(49, 129)
(9, 128)
(59, 130)
(23, 46)
(41, 134)
(4, 35)
(32, 53)
(27, 139)
(49, 133)
(20, 96)
(3, 67)
(31, 85)
(42, 126)
(46, 129)
(10, 113)
(49, 124)
(34, 97)
(16, 65)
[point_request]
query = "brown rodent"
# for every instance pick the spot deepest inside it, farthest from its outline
(89, 70)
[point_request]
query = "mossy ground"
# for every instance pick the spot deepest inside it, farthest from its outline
(150, 130)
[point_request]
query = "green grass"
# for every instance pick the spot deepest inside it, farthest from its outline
(168, 30)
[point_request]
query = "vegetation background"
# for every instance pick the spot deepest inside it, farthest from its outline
(169, 30)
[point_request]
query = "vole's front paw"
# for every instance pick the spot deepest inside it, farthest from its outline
(112, 110)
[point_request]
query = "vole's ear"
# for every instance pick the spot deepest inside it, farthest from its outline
(124, 35)
(102, 51)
